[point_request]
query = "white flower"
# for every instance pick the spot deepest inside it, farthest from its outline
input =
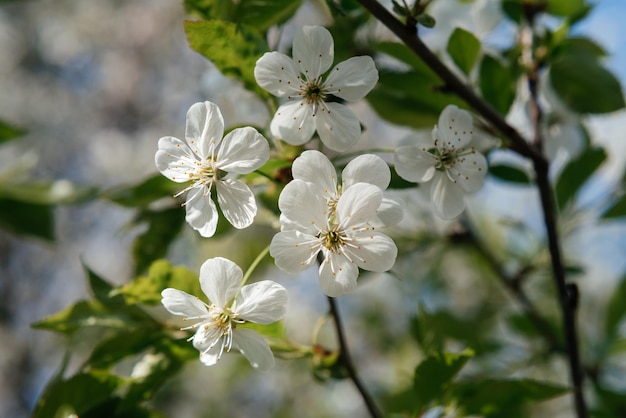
(345, 238)
(217, 323)
(204, 158)
(314, 167)
(451, 163)
(301, 80)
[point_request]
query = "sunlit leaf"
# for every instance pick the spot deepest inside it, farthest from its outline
(161, 275)
(463, 47)
(144, 193)
(261, 14)
(565, 7)
(233, 48)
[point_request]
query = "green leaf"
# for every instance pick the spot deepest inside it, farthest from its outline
(409, 99)
(565, 8)
(81, 394)
(59, 192)
(144, 193)
(509, 174)
(617, 209)
(261, 14)
(584, 85)
(497, 84)
(161, 275)
(27, 218)
(8, 132)
(123, 344)
(233, 48)
(426, 20)
(463, 47)
(503, 398)
(576, 173)
(434, 373)
(163, 227)
(616, 309)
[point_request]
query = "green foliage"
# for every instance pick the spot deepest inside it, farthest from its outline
(143, 193)
(583, 84)
(464, 48)
(616, 310)
(576, 173)
(434, 375)
(8, 132)
(27, 218)
(497, 398)
(233, 48)
(509, 174)
(497, 83)
(565, 8)
(163, 227)
(617, 209)
(161, 275)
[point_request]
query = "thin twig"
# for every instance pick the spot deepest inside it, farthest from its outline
(346, 361)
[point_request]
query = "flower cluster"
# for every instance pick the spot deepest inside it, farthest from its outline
(326, 217)
(321, 217)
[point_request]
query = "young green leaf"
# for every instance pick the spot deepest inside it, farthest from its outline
(497, 84)
(27, 218)
(233, 48)
(463, 47)
(8, 132)
(509, 174)
(143, 193)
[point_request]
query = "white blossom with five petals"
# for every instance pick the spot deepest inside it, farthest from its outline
(450, 162)
(345, 237)
(205, 159)
(314, 167)
(301, 81)
(217, 324)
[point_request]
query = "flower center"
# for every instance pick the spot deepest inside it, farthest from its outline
(332, 239)
(313, 92)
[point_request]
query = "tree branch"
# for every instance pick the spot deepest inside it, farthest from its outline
(346, 361)
(409, 36)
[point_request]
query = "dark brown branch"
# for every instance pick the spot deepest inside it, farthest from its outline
(452, 82)
(346, 361)
(409, 36)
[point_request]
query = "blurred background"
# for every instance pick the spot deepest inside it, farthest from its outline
(95, 85)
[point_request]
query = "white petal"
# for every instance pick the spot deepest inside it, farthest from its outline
(210, 357)
(182, 303)
(389, 213)
(447, 196)
(471, 171)
(174, 159)
(277, 73)
(262, 302)
(254, 348)
(366, 168)
(242, 151)
(454, 128)
(337, 126)
(337, 275)
(220, 280)
(352, 79)
(205, 128)
(293, 122)
(302, 204)
(414, 164)
(293, 252)
(314, 167)
(375, 252)
(358, 204)
(236, 201)
(201, 211)
(313, 50)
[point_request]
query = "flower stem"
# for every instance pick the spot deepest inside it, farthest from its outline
(346, 361)
(255, 264)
